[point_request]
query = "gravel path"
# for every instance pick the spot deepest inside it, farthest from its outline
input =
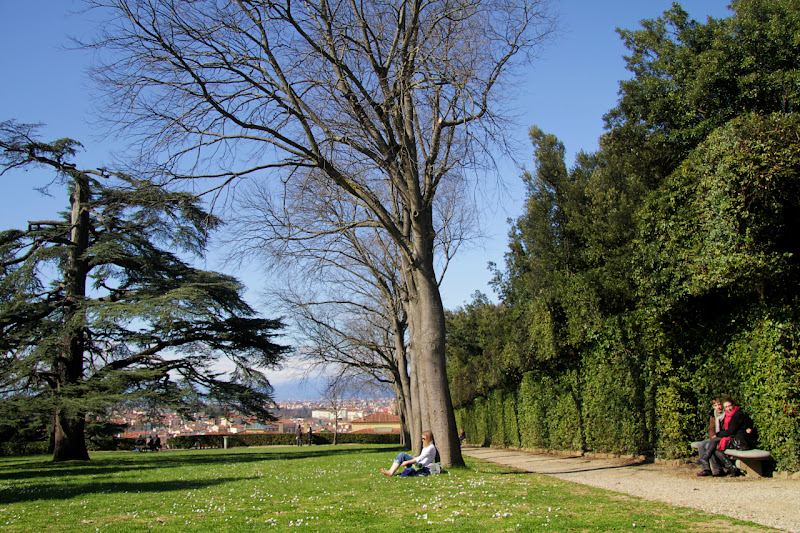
(766, 501)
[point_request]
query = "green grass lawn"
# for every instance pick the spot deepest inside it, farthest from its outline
(320, 488)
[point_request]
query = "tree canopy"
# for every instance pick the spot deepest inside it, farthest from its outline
(660, 271)
(385, 103)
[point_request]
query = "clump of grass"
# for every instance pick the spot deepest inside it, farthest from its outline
(321, 488)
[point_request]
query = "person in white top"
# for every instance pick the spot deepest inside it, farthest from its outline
(426, 457)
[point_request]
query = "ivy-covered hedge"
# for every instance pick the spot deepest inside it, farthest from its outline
(617, 403)
(622, 341)
(767, 365)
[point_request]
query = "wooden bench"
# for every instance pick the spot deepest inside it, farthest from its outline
(748, 461)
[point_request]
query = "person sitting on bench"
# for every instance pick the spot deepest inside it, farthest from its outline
(736, 434)
(707, 447)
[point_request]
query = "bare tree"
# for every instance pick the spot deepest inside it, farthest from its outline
(342, 283)
(385, 100)
(339, 387)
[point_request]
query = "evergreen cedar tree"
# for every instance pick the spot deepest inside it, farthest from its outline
(97, 307)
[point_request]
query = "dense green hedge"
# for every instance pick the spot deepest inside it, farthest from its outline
(110, 444)
(23, 448)
(765, 359)
(41, 447)
(209, 441)
(662, 270)
(617, 403)
(279, 439)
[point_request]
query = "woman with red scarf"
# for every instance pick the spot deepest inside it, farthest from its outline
(735, 433)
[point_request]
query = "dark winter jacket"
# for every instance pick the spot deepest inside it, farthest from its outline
(738, 425)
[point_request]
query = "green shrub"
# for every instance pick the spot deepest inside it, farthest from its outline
(612, 401)
(109, 444)
(565, 422)
(494, 418)
(24, 448)
(511, 435)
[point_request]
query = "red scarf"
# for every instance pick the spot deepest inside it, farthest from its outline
(725, 423)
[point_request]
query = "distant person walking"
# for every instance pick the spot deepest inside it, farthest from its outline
(310, 435)
(299, 435)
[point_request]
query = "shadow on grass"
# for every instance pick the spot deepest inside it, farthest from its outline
(121, 462)
(486, 467)
(42, 492)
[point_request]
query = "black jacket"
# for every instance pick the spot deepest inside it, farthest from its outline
(738, 425)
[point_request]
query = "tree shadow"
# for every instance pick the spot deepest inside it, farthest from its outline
(119, 463)
(72, 490)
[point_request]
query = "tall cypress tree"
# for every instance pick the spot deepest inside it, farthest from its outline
(97, 307)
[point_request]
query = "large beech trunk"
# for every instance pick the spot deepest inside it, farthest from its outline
(427, 346)
(428, 341)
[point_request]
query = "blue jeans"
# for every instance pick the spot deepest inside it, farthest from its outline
(708, 461)
(402, 457)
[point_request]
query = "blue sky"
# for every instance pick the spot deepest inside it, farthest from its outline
(565, 92)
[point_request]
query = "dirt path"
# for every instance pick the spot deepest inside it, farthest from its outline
(767, 501)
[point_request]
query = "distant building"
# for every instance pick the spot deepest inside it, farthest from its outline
(376, 423)
(344, 414)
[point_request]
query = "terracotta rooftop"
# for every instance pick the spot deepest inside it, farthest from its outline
(377, 418)
(372, 430)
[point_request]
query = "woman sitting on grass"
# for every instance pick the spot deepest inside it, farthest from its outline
(426, 457)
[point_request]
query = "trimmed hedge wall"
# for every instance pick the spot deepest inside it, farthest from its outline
(278, 439)
(10, 449)
(209, 441)
(623, 398)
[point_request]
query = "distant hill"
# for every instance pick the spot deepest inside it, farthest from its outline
(299, 389)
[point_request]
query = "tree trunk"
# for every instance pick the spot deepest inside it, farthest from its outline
(428, 341)
(70, 442)
(402, 396)
(335, 427)
(399, 398)
(402, 384)
(413, 430)
(416, 405)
